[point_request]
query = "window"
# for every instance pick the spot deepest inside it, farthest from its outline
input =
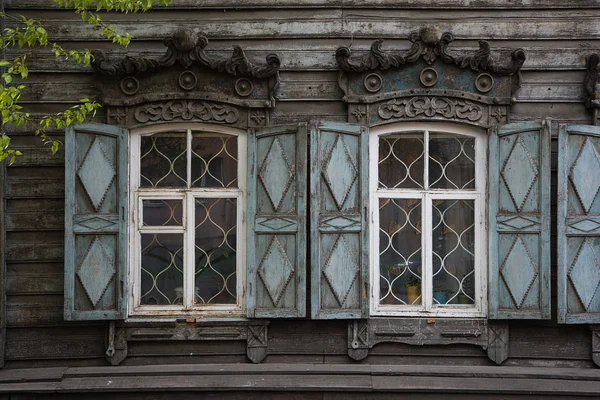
(187, 196)
(428, 237)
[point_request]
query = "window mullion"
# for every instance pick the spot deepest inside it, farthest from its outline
(188, 257)
(427, 269)
(426, 160)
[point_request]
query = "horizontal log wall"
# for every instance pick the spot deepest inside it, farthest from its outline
(556, 34)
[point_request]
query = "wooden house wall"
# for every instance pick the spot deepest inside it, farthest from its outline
(556, 35)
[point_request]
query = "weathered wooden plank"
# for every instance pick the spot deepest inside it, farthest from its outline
(27, 214)
(318, 55)
(34, 246)
(408, 4)
(33, 311)
(333, 23)
(42, 278)
(55, 343)
(40, 221)
(572, 343)
(35, 188)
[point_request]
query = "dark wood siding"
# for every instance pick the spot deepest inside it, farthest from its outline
(556, 35)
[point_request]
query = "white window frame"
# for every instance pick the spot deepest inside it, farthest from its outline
(188, 196)
(427, 308)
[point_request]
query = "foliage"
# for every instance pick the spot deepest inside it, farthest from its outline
(30, 34)
(412, 281)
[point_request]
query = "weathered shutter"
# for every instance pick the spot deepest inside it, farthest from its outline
(95, 222)
(578, 224)
(339, 207)
(519, 221)
(277, 222)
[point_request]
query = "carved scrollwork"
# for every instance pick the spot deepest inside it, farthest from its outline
(431, 107)
(187, 110)
(186, 47)
(428, 43)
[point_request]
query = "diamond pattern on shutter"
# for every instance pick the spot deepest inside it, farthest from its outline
(96, 270)
(586, 185)
(585, 274)
(519, 173)
(519, 271)
(275, 270)
(96, 173)
(339, 171)
(276, 173)
(341, 270)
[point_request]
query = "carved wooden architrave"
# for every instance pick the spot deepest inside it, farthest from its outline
(186, 84)
(428, 82)
(592, 85)
(492, 336)
(254, 333)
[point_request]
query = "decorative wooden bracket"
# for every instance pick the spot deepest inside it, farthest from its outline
(498, 341)
(116, 349)
(257, 343)
(592, 85)
(364, 334)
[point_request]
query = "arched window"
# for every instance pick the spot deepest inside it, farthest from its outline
(187, 191)
(428, 237)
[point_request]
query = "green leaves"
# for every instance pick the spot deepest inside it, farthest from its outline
(30, 33)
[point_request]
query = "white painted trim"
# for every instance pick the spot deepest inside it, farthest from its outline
(427, 308)
(188, 196)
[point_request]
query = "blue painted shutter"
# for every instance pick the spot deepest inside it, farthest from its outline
(339, 231)
(519, 221)
(276, 264)
(95, 222)
(578, 224)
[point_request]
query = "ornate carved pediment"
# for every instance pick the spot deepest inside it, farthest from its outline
(428, 81)
(187, 84)
(592, 84)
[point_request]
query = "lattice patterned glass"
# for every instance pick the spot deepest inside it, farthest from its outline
(216, 244)
(451, 161)
(162, 212)
(163, 160)
(401, 161)
(400, 251)
(162, 269)
(214, 160)
(453, 233)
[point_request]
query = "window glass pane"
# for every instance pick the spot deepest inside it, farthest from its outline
(451, 161)
(453, 248)
(400, 251)
(162, 269)
(214, 160)
(216, 251)
(162, 212)
(163, 160)
(401, 162)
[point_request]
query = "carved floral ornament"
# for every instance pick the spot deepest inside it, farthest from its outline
(429, 44)
(186, 83)
(592, 84)
(428, 81)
